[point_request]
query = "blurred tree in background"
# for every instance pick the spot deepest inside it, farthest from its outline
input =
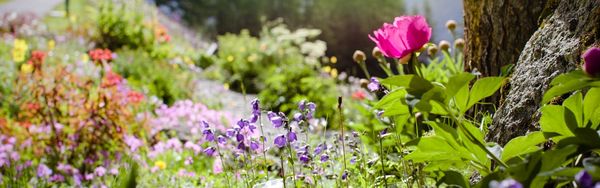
(345, 23)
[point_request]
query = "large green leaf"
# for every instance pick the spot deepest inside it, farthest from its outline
(591, 107)
(457, 82)
(575, 104)
(454, 179)
(566, 83)
(553, 122)
(414, 84)
(522, 145)
(483, 88)
(397, 95)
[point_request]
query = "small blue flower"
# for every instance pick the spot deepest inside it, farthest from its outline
(298, 117)
(507, 183)
(302, 105)
(345, 175)
(241, 146)
(230, 133)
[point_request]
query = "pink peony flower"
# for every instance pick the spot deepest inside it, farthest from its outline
(406, 35)
(591, 66)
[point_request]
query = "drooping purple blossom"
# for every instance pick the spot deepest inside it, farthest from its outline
(209, 151)
(280, 141)
(374, 85)
(298, 117)
(320, 148)
(208, 135)
(324, 158)
(254, 145)
(275, 119)
(291, 136)
(345, 175)
(241, 146)
(584, 179)
(230, 133)
(507, 183)
(304, 158)
(221, 139)
(302, 105)
(239, 137)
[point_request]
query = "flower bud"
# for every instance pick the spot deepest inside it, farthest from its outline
(451, 25)
(459, 43)
(432, 50)
(364, 83)
(377, 53)
(444, 45)
(359, 56)
(591, 65)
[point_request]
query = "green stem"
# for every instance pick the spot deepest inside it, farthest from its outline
(382, 161)
(283, 169)
(262, 139)
(364, 69)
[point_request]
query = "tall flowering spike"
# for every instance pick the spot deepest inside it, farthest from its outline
(280, 141)
(591, 66)
(374, 85)
(406, 35)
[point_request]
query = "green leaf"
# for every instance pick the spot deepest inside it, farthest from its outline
(461, 99)
(392, 97)
(553, 122)
(522, 145)
(413, 84)
(483, 88)
(566, 83)
(453, 178)
(575, 104)
(457, 82)
(591, 107)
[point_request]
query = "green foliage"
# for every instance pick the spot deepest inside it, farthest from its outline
(282, 66)
(169, 82)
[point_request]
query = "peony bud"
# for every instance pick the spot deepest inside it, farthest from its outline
(377, 53)
(364, 83)
(591, 65)
(459, 43)
(444, 45)
(432, 50)
(451, 25)
(359, 56)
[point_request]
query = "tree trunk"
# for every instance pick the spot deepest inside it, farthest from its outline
(496, 31)
(553, 49)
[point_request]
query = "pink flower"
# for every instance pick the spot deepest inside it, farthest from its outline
(407, 35)
(591, 64)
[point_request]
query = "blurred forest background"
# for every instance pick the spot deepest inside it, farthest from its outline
(345, 24)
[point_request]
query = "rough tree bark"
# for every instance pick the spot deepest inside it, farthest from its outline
(553, 49)
(496, 31)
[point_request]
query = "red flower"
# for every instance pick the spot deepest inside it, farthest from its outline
(359, 95)
(111, 79)
(38, 56)
(135, 97)
(98, 55)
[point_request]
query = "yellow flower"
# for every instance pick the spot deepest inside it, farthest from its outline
(243, 49)
(334, 73)
(251, 58)
(226, 86)
(19, 49)
(230, 58)
(51, 45)
(327, 69)
(26, 68)
(160, 164)
(333, 59)
(85, 58)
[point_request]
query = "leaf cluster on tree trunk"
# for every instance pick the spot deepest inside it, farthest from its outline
(501, 32)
